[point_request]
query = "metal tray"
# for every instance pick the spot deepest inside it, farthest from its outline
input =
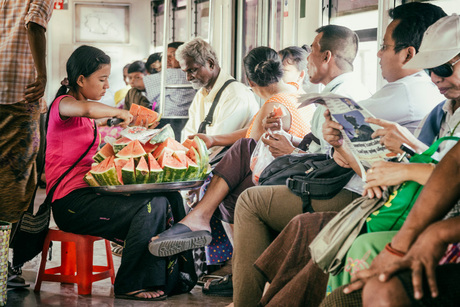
(148, 187)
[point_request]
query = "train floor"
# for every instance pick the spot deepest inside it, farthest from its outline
(57, 294)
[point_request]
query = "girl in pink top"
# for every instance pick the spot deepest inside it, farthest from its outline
(129, 220)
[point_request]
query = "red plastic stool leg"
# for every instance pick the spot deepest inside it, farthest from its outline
(108, 251)
(84, 266)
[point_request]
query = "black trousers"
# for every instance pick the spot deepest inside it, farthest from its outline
(128, 220)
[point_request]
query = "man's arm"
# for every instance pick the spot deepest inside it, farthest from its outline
(37, 44)
(436, 199)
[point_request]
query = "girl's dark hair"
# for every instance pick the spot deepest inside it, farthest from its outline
(137, 66)
(263, 66)
(85, 60)
(294, 55)
(152, 59)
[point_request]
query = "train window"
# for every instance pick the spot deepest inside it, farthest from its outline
(180, 29)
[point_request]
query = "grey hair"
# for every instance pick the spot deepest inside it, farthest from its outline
(199, 50)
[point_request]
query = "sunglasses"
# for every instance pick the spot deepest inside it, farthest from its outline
(444, 70)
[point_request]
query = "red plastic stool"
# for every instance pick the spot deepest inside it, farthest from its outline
(72, 262)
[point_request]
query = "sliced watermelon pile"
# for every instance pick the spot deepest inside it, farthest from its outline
(131, 162)
(142, 114)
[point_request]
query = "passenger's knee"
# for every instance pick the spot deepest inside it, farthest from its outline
(379, 294)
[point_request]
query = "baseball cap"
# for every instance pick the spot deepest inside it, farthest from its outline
(440, 43)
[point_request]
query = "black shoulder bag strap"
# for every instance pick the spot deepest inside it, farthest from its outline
(29, 237)
(208, 119)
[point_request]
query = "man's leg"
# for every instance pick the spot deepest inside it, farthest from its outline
(261, 213)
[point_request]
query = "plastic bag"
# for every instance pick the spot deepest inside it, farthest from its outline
(260, 158)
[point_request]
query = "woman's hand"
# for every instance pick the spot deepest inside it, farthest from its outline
(271, 122)
(208, 139)
(385, 174)
(331, 131)
(340, 160)
(278, 144)
(126, 117)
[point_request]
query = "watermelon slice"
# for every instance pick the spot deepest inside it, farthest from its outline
(155, 170)
(279, 112)
(142, 115)
(106, 172)
(164, 133)
(105, 152)
(204, 157)
(120, 144)
(148, 147)
(142, 171)
(173, 169)
(89, 179)
(171, 144)
(119, 163)
(133, 150)
(128, 172)
(193, 170)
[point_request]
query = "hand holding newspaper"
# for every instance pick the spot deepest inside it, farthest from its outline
(356, 132)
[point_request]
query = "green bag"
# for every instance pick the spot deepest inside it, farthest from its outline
(393, 213)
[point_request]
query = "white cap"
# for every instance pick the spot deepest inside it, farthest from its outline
(440, 44)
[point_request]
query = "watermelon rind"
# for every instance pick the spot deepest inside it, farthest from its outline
(128, 173)
(204, 157)
(89, 179)
(120, 144)
(155, 176)
(193, 171)
(164, 133)
(105, 152)
(173, 174)
(142, 171)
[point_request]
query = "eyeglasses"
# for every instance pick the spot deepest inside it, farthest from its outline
(445, 70)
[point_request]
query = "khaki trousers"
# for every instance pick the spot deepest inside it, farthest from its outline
(261, 214)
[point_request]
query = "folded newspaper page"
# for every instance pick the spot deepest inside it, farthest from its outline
(356, 132)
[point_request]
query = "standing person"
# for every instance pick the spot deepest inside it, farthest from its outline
(22, 45)
(177, 100)
(129, 220)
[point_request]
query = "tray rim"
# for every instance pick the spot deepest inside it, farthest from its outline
(148, 187)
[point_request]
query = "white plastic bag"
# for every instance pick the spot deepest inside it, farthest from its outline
(260, 158)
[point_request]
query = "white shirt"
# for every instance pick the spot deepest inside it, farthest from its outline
(236, 108)
(405, 101)
(346, 85)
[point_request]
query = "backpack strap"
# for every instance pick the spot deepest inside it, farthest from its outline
(208, 120)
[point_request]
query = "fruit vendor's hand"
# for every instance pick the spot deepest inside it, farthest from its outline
(271, 122)
(207, 139)
(331, 131)
(278, 144)
(126, 117)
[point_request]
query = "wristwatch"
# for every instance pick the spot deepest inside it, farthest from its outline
(296, 151)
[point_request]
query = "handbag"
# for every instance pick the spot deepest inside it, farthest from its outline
(30, 235)
(330, 246)
(310, 176)
(393, 214)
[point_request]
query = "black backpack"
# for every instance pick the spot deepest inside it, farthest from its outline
(310, 176)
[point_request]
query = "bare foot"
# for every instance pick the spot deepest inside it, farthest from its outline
(230, 305)
(147, 293)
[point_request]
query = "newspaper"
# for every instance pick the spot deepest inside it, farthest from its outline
(356, 132)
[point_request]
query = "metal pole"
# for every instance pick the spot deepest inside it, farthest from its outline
(164, 58)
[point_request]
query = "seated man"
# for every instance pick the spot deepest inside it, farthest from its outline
(136, 95)
(415, 240)
(178, 100)
(264, 209)
(237, 104)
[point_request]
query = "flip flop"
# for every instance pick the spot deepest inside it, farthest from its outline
(117, 250)
(15, 281)
(177, 239)
(133, 296)
(222, 287)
